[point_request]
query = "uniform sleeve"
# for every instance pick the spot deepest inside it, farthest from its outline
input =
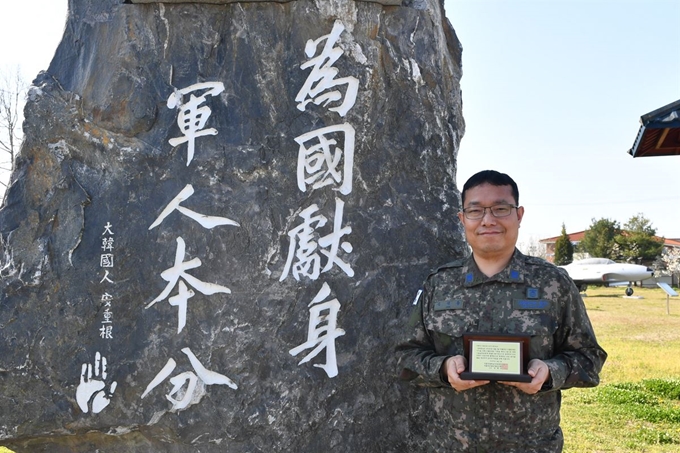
(578, 357)
(417, 358)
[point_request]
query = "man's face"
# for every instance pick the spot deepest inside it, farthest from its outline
(491, 236)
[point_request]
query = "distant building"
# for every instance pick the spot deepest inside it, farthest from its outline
(576, 238)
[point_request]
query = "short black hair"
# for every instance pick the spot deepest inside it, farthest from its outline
(492, 177)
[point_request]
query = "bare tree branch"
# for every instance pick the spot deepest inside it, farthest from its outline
(12, 94)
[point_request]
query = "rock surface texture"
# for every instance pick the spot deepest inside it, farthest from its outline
(219, 218)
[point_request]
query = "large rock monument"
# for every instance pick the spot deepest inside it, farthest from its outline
(217, 222)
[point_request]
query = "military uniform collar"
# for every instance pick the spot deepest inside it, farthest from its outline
(513, 273)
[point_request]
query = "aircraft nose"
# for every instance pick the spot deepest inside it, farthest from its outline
(649, 269)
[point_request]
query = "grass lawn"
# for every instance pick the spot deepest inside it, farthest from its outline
(636, 408)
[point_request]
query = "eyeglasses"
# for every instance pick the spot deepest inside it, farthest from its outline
(499, 210)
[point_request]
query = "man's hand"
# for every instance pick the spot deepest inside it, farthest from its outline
(540, 373)
(455, 365)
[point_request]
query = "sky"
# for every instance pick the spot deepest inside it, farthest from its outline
(30, 33)
(552, 90)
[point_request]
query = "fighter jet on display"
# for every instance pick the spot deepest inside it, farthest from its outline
(603, 271)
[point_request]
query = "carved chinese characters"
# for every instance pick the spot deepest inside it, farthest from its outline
(193, 114)
(317, 245)
(95, 390)
(325, 158)
(192, 118)
(190, 384)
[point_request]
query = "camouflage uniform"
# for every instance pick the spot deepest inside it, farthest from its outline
(530, 296)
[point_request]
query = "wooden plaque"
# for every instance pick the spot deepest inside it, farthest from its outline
(496, 357)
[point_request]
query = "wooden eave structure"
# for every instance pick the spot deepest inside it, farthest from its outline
(659, 134)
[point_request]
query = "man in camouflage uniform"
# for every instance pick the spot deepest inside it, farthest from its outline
(498, 290)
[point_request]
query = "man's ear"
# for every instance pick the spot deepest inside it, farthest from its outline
(520, 214)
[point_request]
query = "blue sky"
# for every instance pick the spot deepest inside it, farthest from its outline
(552, 95)
(553, 91)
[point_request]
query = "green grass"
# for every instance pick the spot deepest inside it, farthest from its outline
(636, 408)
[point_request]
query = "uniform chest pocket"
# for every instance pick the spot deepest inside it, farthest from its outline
(537, 324)
(447, 328)
(541, 328)
(450, 322)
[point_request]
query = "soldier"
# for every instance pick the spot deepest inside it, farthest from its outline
(498, 290)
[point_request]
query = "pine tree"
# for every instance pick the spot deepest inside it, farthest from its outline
(564, 249)
(598, 241)
(638, 242)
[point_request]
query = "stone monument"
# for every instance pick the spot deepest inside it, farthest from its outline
(218, 220)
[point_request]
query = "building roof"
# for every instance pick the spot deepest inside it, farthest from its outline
(578, 237)
(659, 134)
(672, 242)
(573, 237)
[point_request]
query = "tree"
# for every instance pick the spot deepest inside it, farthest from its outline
(12, 89)
(598, 241)
(532, 248)
(637, 242)
(564, 249)
(671, 261)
